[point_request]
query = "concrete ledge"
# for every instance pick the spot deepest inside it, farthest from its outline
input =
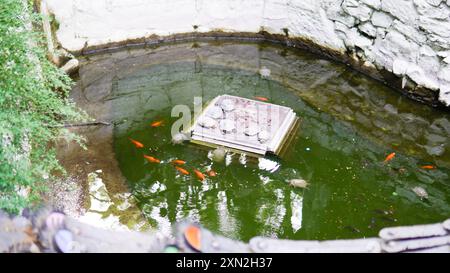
(51, 231)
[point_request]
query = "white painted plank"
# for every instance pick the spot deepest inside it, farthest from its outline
(419, 231)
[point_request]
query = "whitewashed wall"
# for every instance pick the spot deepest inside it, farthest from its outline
(407, 37)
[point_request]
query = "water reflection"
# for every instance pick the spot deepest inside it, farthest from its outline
(268, 165)
(227, 224)
(296, 211)
(349, 124)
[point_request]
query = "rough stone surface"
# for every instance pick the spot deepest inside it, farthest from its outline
(381, 19)
(31, 234)
(357, 10)
(368, 29)
(381, 32)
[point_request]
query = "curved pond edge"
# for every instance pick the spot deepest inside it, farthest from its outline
(349, 58)
(431, 238)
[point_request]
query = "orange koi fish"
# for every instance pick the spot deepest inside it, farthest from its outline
(157, 123)
(178, 162)
(428, 167)
(211, 173)
(192, 236)
(181, 170)
(136, 143)
(152, 159)
(389, 157)
(262, 98)
(199, 175)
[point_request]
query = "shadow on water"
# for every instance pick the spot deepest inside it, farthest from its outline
(349, 124)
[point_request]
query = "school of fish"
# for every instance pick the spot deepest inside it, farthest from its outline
(176, 163)
(211, 173)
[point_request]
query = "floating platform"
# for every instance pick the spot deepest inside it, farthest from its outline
(245, 126)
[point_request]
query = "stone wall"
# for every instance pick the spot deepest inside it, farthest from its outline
(48, 231)
(410, 38)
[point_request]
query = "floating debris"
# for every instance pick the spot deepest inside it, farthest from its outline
(264, 72)
(421, 192)
(179, 138)
(218, 155)
(298, 183)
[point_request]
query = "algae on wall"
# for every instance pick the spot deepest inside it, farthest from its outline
(33, 104)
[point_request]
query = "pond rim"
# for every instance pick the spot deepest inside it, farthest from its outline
(349, 58)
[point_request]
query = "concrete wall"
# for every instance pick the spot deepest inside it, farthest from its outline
(410, 38)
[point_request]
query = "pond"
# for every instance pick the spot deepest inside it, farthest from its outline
(349, 125)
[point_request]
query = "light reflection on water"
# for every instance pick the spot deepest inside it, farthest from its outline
(268, 165)
(296, 208)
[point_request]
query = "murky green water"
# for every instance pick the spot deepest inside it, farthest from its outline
(349, 125)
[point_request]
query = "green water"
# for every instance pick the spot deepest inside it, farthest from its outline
(349, 125)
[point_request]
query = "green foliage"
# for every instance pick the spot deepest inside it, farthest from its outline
(33, 103)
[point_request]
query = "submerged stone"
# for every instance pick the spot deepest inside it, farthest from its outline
(180, 138)
(298, 183)
(264, 72)
(421, 192)
(435, 150)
